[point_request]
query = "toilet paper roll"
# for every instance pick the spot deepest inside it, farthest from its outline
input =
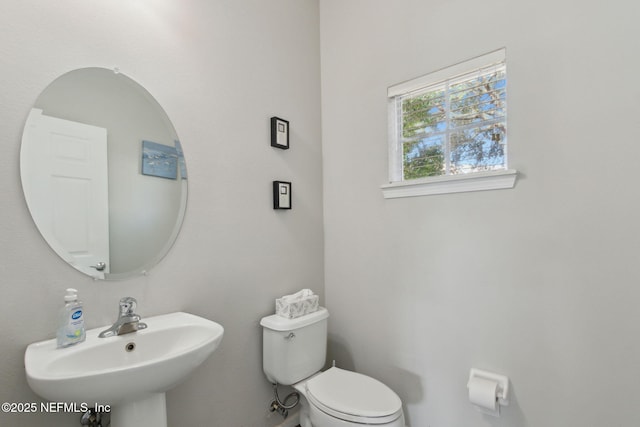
(482, 393)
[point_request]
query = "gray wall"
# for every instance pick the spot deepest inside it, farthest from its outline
(220, 70)
(539, 282)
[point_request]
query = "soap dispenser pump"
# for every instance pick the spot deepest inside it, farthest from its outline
(71, 321)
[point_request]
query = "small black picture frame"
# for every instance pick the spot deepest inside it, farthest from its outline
(279, 133)
(281, 195)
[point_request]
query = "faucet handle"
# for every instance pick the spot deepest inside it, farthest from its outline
(128, 306)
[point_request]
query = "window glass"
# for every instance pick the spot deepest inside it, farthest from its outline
(457, 125)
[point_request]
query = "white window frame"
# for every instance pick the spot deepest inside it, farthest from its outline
(474, 181)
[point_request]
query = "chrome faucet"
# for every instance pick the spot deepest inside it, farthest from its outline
(128, 321)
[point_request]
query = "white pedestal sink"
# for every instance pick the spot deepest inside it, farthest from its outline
(130, 372)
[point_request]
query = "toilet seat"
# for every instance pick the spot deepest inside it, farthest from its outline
(353, 397)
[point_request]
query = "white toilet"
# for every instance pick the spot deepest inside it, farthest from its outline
(294, 351)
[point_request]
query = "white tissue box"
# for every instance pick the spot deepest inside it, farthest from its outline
(294, 309)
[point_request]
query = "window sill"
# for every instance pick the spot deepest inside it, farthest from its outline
(492, 180)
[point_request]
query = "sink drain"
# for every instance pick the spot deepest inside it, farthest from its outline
(130, 346)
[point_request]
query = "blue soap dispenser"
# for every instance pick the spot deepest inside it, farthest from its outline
(71, 322)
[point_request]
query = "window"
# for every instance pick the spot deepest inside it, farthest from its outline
(450, 126)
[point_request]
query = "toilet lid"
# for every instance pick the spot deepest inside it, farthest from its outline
(351, 396)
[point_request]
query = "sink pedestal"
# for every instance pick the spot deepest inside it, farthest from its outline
(149, 411)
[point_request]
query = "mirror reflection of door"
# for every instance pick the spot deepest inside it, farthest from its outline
(145, 211)
(68, 188)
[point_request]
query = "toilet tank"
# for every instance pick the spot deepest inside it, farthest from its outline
(294, 349)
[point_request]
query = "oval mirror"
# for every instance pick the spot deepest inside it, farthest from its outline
(103, 173)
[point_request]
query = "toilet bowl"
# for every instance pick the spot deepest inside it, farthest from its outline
(294, 352)
(340, 398)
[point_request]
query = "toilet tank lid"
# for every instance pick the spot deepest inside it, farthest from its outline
(279, 323)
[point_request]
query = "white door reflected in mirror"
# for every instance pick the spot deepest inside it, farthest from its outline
(81, 168)
(68, 189)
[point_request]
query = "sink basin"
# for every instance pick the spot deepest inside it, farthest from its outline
(122, 370)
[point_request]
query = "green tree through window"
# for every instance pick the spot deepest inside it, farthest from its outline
(456, 126)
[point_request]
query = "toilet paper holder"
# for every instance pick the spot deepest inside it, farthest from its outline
(502, 389)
